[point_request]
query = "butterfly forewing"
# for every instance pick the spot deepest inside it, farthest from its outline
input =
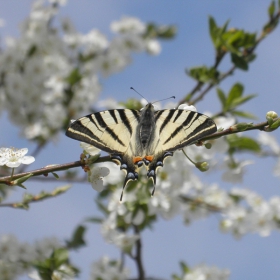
(108, 130)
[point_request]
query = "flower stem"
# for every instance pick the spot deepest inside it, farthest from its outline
(13, 171)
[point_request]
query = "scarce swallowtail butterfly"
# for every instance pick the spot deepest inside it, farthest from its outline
(134, 138)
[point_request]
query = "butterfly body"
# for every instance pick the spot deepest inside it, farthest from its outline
(135, 138)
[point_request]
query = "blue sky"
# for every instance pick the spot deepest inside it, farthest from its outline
(169, 242)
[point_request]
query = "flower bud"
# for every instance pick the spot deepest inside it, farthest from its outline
(202, 166)
(208, 145)
(270, 116)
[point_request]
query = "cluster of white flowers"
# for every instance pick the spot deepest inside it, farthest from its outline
(108, 269)
(49, 78)
(204, 272)
(256, 216)
(15, 257)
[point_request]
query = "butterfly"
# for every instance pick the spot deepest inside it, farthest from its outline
(134, 138)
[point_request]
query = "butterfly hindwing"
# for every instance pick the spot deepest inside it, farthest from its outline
(180, 128)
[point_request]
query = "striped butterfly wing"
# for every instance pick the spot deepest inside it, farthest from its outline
(109, 131)
(176, 129)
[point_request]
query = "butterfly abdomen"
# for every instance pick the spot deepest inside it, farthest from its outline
(146, 126)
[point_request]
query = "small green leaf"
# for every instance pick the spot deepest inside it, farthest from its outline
(185, 269)
(32, 50)
(239, 61)
(243, 143)
(213, 29)
(244, 115)
(238, 101)
(235, 92)
(74, 77)
(77, 238)
(275, 125)
(55, 175)
(166, 32)
(95, 220)
(221, 96)
(203, 74)
(22, 179)
(60, 257)
(271, 9)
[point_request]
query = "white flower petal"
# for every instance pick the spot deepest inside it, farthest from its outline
(187, 107)
(3, 161)
(96, 177)
(27, 159)
(91, 150)
(13, 164)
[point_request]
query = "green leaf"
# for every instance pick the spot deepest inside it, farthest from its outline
(239, 143)
(60, 256)
(95, 220)
(185, 269)
(235, 92)
(77, 238)
(275, 125)
(203, 74)
(239, 61)
(221, 96)
(244, 115)
(271, 9)
(240, 100)
(55, 175)
(74, 77)
(213, 29)
(32, 50)
(163, 32)
(166, 32)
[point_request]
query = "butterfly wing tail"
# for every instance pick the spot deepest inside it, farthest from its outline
(157, 162)
(126, 166)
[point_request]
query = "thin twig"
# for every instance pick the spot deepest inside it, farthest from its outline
(138, 256)
(49, 169)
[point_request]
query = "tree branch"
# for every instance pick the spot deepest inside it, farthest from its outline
(138, 256)
(246, 54)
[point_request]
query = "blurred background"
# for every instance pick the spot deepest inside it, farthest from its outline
(156, 77)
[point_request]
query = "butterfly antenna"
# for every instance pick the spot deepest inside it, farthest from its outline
(139, 93)
(164, 99)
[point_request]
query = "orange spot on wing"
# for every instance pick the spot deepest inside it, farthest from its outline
(136, 159)
(149, 158)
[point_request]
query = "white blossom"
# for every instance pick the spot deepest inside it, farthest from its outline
(12, 157)
(153, 47)
(128, 25)
(203, 272)
(90, 149)
(235, 173)
(106, 269)
(187, 107)
(96, 176)
(269, 140)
